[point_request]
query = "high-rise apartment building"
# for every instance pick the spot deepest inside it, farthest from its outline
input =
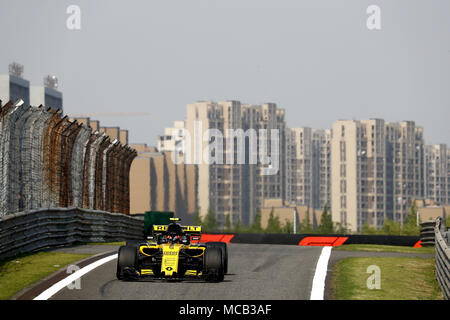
(47, 95)
(13, 87)
(272, 186)
(235, 187)
(376, 171)
(366, 171)
(404, 167)
(302, 174)
(291, 166)
(437, 173)
(308, 174)
(321, 168)
(262, 186)
(173, 138)
(219, 182)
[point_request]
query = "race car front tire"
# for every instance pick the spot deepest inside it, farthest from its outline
(223, 247)
(213, 264)
(126, 260)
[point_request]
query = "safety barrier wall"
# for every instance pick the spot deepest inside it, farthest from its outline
(25, 232)
(311, 239)
(46, 160)
(442, 245)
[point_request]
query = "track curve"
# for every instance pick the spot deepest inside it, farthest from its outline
(256, 272)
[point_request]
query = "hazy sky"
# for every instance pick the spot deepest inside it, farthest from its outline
(316, 59)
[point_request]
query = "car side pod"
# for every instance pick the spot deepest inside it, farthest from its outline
(213, 270)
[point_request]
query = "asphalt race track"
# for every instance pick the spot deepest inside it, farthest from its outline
(254, 272)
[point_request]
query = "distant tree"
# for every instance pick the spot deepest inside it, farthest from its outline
(256, 225)
(340, 228)
(210, 221)
(288, 227)
(238, 227)
(197, 219)
(298, 224)
(305, 225)
(273, 225)
(326, 223)
(227, 224)
(391, 227)
(367, 229)
(410, 226)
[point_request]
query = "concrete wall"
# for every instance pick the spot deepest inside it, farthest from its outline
(431, 213)
(140, 185)
(286, 213)
(158, 184)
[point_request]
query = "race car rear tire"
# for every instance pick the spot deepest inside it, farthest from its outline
(213, 264)
(223, 247)
(127, 258)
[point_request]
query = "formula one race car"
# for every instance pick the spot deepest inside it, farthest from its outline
(169, 254)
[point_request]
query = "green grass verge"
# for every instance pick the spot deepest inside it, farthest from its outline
(18, 273)
(383, 248)
(402, 278)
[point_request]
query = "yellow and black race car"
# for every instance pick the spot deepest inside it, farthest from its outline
(169, 254)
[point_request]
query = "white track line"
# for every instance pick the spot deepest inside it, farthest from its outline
(47, 294)
(318, 285)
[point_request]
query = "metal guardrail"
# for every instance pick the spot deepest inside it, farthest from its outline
(34, 230)
(442, 244)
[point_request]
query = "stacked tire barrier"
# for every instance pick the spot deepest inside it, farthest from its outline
(442, 244)
(427, 233)
(48, 161)
(26, 232)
